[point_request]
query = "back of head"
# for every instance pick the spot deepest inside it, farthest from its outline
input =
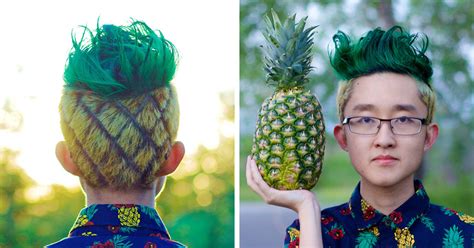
(119, 112)
(394, 50)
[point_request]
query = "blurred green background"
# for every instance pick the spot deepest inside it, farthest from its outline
(447, 169)
(197, 204)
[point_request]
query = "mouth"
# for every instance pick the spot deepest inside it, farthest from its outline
(385, 159)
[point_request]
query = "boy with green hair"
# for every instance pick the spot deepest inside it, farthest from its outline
(385, 105)
(119, 117)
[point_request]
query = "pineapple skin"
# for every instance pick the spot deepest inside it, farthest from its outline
(289, 139)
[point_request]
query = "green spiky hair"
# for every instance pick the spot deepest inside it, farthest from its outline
(120, 60)
(394, 50)
(287, 53)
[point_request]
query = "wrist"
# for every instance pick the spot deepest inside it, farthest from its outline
(308, 204)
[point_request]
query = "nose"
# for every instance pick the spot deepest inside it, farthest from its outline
(385, 137)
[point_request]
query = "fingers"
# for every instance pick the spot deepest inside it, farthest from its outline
(255, 180)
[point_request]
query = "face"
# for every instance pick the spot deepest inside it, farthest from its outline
(385, 159)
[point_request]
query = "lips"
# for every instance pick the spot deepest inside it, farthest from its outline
(385, 159)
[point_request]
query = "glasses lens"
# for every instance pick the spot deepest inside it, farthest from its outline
(406, 125)
(364, 125)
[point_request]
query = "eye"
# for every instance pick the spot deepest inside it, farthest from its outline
(404, 119)
(366, 120)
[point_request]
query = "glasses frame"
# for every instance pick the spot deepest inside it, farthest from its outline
(347, 119)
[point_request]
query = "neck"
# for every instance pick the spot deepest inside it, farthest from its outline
(111, 196)
(387, 199)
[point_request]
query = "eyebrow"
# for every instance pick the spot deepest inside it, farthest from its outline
(405, 107)
(363, 107)
(398, 107)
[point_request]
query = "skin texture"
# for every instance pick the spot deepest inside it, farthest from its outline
(386, 183)
(131, 196)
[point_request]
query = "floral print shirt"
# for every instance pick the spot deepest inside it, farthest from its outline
(117, 226)
(416, 223)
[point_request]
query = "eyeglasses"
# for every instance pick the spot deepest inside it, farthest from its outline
(366, 125)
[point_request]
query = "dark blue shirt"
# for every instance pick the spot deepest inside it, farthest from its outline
(117, 225)
(416, 223)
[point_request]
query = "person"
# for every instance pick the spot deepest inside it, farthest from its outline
(386, 105)
(119, 117)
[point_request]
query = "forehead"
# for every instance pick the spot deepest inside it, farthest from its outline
(385, 94)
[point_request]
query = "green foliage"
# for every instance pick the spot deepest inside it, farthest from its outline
(33, 223)
(288, 55)
(197, 203)
(120, 59)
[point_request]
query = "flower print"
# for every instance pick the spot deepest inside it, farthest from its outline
(124, 205)
(369, 213)
(295, 243)
(107, 244)
(150, 245)
(396, 217)
(113, 229)
(345, 211)
(326, 220)
(336, 233)
(466, 218)
(88, 234)
(452, 210)
(367, 210)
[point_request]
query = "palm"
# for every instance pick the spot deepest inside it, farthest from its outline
(292, 199)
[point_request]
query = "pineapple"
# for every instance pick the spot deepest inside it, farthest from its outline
(128, 215)
(289, 139)
(453, 237)
(367, 239)
(84, 217)
(404, 238)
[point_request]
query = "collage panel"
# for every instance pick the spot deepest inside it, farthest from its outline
(100, 102)
(347, 124)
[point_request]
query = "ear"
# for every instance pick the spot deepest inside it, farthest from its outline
(64, 157)
(431, 136)
(340, 135)
(173, 160)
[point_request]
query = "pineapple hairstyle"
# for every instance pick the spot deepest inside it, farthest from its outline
(119, 112)
(394, 50)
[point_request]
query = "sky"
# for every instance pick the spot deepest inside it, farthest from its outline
(35, 41)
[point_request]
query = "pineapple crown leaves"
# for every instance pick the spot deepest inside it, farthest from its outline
(287, 53)
(120, 60)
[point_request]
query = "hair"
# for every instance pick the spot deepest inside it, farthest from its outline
(119, 112)
(394, 50)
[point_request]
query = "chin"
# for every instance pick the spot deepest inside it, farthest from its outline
(387, 180)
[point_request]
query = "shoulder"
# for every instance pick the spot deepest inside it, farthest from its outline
(115, 241)
(336, 211)
(447, 216)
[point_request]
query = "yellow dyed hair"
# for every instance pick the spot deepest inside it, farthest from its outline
(426, 94)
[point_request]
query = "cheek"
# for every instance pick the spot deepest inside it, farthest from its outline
(358, 152)
(413, 150)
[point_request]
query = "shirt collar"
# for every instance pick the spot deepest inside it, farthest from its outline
(119, 218)
(365, 216)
